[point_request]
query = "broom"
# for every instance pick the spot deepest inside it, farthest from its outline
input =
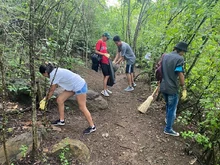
(145, 105)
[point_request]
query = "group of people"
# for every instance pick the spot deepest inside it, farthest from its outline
(74, 84)
(124, 53)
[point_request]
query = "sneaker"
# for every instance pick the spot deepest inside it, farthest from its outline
(89, 130)
(104, 93)
(172, 132)
(128, 89)
(58, 122)
(110, 92)
(133, 84)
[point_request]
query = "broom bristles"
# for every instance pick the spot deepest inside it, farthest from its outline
(145, 105)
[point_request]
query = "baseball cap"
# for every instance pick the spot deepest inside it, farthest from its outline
(106, 34)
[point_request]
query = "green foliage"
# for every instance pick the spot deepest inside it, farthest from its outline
(23, 150)
(10, 130)
(70, 62)
(62, 156)
(201, 139)
(184, 118)
(16, 88)
(66, 32)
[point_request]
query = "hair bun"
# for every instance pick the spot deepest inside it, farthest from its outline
(50, 67)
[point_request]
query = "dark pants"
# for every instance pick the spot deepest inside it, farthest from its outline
(105, 69)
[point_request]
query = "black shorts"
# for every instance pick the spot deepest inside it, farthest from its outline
(129, 69)
(105, 69)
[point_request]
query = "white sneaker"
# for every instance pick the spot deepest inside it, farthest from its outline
(105, 93)
(128, 89)
(133, 84)
(110, 92)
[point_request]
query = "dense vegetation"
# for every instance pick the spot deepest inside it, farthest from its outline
(66, 32)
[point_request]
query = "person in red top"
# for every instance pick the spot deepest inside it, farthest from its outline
(101, 49)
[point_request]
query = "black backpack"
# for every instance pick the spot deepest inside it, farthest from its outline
(96, 58)
(158, 70)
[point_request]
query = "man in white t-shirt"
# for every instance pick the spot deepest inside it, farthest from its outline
(73, 85)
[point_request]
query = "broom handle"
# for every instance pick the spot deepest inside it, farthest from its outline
(155, 90)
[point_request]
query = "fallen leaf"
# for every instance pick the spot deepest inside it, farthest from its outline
(39, 123)
(26, 127)
(193, 161)
(56, 128)
(46, 150)
(15, 107)
(27, 123)
(37, 162)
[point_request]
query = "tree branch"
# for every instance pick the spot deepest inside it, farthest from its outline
(71, 28)
(49, 10)
(197, 56)
(197, 29)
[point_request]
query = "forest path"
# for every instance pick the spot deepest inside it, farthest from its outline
(126, 137)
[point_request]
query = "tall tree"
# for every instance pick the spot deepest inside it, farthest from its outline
(142, 14)
(128, 29)
(3, 109)
(32, 75)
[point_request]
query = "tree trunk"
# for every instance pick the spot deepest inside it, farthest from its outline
(87, 52)
(141, 14)
(4, 117)
(71, 28)
(58, 35)
(123, 19)
(85, 25)
(128, 30)
(32, 74)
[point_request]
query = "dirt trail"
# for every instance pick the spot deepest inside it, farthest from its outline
(124, 136)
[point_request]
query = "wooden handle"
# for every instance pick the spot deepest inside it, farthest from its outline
(155, 90)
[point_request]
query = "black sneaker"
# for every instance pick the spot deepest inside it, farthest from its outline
(58, 122)
(89, 130)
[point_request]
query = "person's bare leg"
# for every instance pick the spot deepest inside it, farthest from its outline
(129, 79)
(132, 77)
(60, 101)
(81, 99)
(105, 82)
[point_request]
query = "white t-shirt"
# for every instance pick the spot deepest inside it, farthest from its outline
(67, 80)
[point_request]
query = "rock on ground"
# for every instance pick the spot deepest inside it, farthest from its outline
(95, 102)
(14, 146)
(76, 148)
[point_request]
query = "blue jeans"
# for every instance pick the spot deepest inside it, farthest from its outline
(171, 106)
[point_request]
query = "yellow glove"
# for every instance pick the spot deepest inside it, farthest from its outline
(107, 55)
(184, 94)
(42, 104)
